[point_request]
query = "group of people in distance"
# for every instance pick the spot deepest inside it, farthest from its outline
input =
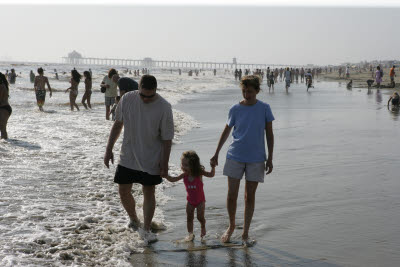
(148, 132)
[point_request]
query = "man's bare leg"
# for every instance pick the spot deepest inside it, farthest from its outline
(249, 198)
(233, 190)
(128, 202)
(149, 205)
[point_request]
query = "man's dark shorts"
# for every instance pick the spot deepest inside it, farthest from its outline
(125, 175)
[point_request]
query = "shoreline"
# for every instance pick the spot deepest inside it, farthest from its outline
(360, 79)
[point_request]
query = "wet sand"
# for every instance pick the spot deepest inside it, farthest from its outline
(360, 79)
(332, 199)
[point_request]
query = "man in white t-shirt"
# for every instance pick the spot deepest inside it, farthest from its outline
(149, 130)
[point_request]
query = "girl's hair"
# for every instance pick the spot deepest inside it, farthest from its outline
(195, 167)
(111, 72)
(87, 75)
(251, 81)
(76, 76)
(379, 68)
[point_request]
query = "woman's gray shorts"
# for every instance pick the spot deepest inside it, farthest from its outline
(254, 171)
(109, 101)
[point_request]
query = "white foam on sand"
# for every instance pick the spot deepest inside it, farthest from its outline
(58, 200)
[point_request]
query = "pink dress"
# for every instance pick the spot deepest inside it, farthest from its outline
(194, 189)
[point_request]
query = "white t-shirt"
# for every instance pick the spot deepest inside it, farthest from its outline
(146, 126)
(112, 91)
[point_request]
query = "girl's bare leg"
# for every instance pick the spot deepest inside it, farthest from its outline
(189, 217)
(200, 216)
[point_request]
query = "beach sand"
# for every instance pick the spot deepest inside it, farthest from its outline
(360, 79)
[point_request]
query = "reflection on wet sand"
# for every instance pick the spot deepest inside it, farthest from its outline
(223, 256)
(378, 96)
(395, 111)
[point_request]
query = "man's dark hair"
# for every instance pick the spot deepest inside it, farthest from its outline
(148, 82)
(40, 70)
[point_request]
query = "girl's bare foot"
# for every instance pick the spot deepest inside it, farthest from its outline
(227, 235)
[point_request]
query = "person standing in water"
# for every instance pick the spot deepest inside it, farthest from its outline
(40, 88)
(251, 120)
(73, 90)
(148, 125)
(111, 91)
(32, 76)
(5, 108)
(288, 78)
(192, 175)
(378, 77)
(88, 89)
(12, 76)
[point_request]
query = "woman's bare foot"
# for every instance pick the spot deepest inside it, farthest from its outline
(227, 235)
(203, 231)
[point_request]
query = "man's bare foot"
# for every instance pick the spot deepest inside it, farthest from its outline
(190, 237)
(134, 224)
(227, 235)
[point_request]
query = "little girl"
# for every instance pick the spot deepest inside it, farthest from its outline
(192, 178)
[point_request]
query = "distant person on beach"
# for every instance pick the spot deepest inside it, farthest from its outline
(55, 71)
(111, 91)
(40, 88)
(12, 77)
(287, 78)
(271, 82)
(88, 90)
(378, 76)
(32, 76)
(347, 72)
(392, 74)
(394, 99)
(126, 84)
(148, 132)
(369, 83)
(73, 90)
(309, 80)
(350, 84)
(302, 75)
(5, 108)
(251, 120)
(192, 176)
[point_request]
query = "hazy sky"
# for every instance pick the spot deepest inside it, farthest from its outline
(282, 35)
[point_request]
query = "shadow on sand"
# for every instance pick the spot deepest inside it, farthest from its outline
(23, 144)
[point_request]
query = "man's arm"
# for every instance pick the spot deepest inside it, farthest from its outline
(269, 134)
(114, 134)
(48, 85)
(35, 84)
(166, 151)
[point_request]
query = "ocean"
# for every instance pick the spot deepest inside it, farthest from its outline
(332, 199)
